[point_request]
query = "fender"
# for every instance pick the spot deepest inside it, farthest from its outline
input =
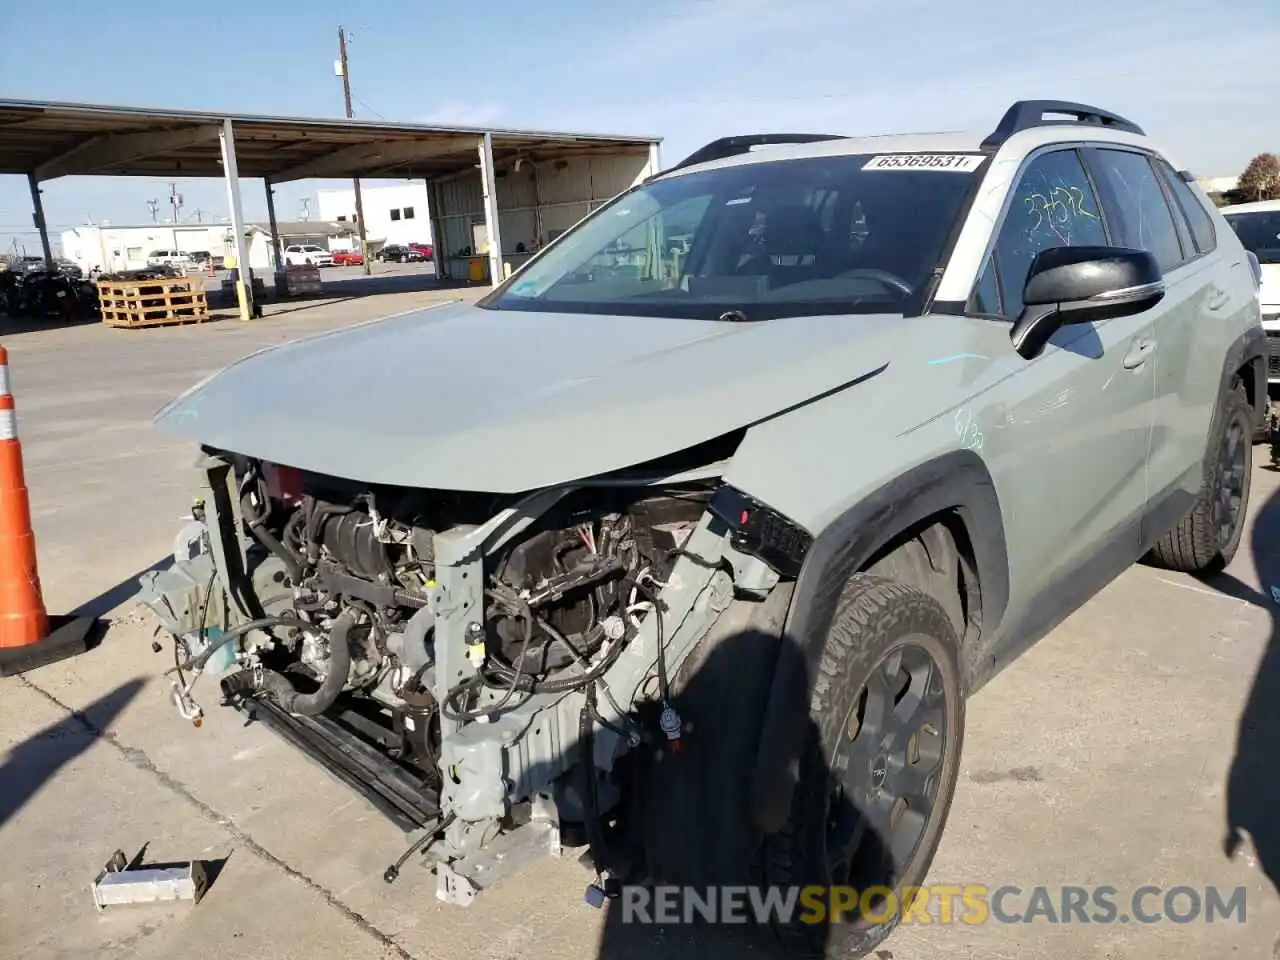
(957, 480)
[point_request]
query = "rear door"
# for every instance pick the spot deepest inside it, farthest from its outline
(1190, 323)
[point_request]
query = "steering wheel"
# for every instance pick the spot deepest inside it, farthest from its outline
(891, 280)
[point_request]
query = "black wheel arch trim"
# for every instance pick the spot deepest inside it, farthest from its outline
(957, 481)
(1250, 348)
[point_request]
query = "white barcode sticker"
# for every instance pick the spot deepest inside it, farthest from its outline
(953, 162)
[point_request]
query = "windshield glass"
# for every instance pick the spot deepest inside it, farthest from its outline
(1259, 232)
(822, 235)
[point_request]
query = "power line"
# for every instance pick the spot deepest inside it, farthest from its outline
(367, 107)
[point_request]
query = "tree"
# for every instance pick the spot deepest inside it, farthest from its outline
(1261, 178)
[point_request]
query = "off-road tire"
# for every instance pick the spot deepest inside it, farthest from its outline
(874, 616)
(1196, 544)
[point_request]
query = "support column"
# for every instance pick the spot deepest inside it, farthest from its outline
(244, 288)
(364, 239)
(37, 216)
(437, 229)
(655, 159)
(277, 251)
(490, 188)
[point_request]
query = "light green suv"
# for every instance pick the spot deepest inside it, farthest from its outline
(687, 544)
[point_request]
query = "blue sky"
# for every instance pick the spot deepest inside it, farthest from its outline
(1200, 77)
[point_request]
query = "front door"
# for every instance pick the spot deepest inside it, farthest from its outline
(1069, 430)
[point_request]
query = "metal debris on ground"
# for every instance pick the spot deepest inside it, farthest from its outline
(119, 884)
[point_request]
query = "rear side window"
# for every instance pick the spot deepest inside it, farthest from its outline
(1201, 224)
(1136, 207)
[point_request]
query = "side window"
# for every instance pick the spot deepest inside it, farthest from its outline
(1201, 223)
(1136, 206)
(1052, 205)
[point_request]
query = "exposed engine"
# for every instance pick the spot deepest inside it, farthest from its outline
(343, 582)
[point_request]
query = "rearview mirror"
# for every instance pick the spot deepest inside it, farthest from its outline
(1067, 285)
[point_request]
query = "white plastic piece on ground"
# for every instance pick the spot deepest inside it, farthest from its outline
(117, 885)
(453, 887)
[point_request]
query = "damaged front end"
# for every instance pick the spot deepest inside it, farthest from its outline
(478, 665)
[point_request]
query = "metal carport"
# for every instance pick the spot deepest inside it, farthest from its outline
(523, 186)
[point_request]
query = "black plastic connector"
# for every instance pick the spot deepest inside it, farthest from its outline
(733, 146)
(761, 532)
(1027, 114)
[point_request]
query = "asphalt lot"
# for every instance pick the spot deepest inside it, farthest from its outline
(1108, 755)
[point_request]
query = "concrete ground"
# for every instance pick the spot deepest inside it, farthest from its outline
(1108, 755)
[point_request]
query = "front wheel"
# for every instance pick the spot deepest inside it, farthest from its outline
(1206, 539)
(879, 770)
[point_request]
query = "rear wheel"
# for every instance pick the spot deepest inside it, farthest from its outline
(879, 770)
(1207, 538)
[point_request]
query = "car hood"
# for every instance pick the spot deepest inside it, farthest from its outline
(464, 398)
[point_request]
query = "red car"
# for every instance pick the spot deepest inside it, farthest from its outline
(422, 248)
(347, 258)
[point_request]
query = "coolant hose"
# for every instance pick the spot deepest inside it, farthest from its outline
(411, 645)
(258, 527)
(278, 687)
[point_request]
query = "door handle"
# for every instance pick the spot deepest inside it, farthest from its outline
(1217, 299)
(1141, 349)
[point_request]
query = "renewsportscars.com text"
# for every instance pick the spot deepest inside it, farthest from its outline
(971, 904)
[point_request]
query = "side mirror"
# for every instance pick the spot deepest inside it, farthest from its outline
(1067, 285)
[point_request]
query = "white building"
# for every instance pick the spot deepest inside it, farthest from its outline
(113, 248)
(392, 214)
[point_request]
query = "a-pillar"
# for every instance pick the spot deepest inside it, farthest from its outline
(244, 286)
(37, 208)
(490, 187)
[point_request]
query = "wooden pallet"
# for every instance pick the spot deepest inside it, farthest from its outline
(152, 303)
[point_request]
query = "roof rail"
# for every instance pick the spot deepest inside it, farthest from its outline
(732, 146)
(1026, 114)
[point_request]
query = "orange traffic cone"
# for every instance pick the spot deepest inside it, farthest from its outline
(28, 638)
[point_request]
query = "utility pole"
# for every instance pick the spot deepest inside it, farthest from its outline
(175, 200)
(346, 96)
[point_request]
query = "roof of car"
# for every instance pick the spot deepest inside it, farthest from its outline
(1255, 206)
(951, 141)
(1023, 141)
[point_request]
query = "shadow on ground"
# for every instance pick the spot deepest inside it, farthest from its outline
(35, 761)
(1253, 785)
(10, 325)
(691, 813)
(121, 593)
(345, 288)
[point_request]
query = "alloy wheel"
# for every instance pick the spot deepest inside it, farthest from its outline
(1232, 464)
(887, 768)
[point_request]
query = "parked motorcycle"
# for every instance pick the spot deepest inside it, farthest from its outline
(44, 294)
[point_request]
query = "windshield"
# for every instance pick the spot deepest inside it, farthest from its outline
(822, 235)
(1259, 232)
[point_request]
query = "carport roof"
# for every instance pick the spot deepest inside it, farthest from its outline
(63, 139)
